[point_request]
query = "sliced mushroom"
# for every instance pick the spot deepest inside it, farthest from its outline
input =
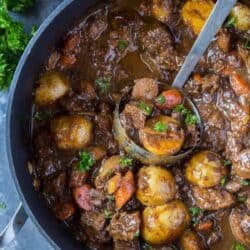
(240, 224)
(212, 198)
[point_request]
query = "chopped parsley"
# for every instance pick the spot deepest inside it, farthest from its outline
(247, 44)
(122, 44)
(160, 127)
(238, 246)
(195, 213)
(111, 198)
(126, 161)
(189, 117)
(137, 234)
(245, 182)
(103, 84)
(86, 161)
(42, 116)
(161, 99)
(223, 181)
(227, 163)
(107, 214)
(241, 197)
(231, 21)
(2, 205)
(145, 107)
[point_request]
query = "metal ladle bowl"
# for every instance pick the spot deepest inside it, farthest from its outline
(137, 152)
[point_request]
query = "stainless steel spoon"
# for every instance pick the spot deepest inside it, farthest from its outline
(217, 17)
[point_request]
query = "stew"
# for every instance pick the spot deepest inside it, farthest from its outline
(110, 200)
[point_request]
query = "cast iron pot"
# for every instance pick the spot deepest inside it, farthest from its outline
(19, 114)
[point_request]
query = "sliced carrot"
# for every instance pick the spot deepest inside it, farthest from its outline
(114, 183)
(204, 226)
(126, 190)
(240, 85)
(82, 197)
(197, 77)
(169, 99)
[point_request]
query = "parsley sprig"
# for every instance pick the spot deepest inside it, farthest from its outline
(160, 127)
(103, 84)
(145, 107)
(13, 40)
(126, 161)
(122, 44)
(161, 99)
(231, 21)
(238, 246)
(189, 117)
(86, 161)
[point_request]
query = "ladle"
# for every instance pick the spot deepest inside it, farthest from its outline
(218, 15)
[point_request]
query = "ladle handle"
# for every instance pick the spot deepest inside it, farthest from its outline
(219, 14)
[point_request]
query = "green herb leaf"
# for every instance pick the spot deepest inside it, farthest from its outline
(160, 127)
(247, 44)
(42, 116)
(231, 21)
(19, 5)
(137, 234)
(147, 246)
(2, 205)
(238, 246)
(122, 44)
(111, 197)
(241, 197)
(13, 41)
(107, 214)
(103, 84)
(245, 182)
(189, 117)
(126, 161)
(145, 107)
(195, 211)
(161, 99)
(227, 163)
(86, 161)
(223, 180)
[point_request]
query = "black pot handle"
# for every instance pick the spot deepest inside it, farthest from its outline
(14, 226)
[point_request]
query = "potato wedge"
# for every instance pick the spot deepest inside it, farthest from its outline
(196, 12)
(155, 186)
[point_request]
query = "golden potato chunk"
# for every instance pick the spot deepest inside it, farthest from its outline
(52, 86)
(241, 14)
(156, 186)
(205, 169)
(71, 132)
(163, 224)
(162, 9)
(162, 135)
(196, 12)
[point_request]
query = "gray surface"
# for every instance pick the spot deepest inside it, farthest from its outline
(28, 238)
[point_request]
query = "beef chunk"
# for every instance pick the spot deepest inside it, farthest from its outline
(157, 49)
(133, 117)
(124, 226)
(126, 245)
(223, 40)
(97, 25)
(94, 219)
(77, 178)
(145, 89)
(242, 166)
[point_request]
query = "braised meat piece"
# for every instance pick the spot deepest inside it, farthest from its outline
(124, 226)
(77, 178)
(157, 48)
(133, 116)
(126, 245)
(145, 89)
